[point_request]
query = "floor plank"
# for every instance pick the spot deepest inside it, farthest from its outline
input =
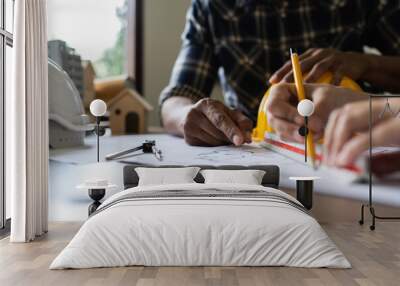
(375, 257)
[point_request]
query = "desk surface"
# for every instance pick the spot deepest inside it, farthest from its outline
(70, 167)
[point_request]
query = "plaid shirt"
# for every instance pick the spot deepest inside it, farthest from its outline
(244, 41)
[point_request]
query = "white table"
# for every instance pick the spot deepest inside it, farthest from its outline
(69, 167)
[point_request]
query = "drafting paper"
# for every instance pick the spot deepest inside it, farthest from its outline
(175, 152)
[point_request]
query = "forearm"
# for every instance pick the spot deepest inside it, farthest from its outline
(173, 113)
(383, 71)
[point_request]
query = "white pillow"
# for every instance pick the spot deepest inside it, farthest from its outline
(248, 177)
(166, 176)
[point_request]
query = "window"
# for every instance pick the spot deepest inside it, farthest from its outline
(99, 35)
(95, 35)
(6, 42)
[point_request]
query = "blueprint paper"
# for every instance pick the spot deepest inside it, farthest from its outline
(175, 152)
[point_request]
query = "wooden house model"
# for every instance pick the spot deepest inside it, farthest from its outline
(128, 113)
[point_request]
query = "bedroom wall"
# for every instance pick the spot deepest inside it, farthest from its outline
(164, 22)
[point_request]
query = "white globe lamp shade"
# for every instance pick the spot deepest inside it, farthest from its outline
(305, 108)
(98, 107)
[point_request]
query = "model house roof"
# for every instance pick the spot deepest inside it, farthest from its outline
(132, 93)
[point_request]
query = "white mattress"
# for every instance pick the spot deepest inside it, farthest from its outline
(189, 231)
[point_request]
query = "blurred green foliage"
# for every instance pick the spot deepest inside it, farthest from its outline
(112, 61)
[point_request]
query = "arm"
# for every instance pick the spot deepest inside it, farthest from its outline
(194, 72)
(347, 133)
(186, 109)
(382, 71)
(174, 111)
(382, 32)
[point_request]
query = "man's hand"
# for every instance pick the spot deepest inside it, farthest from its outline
(209, 122)
(316, 62)
(347, 132)
(282, 112)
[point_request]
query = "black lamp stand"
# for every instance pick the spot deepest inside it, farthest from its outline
(370, 200)
(96, 195)
(100, 131)
(303, 131)
(304, 192)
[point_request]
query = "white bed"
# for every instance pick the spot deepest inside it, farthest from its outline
(224, 225)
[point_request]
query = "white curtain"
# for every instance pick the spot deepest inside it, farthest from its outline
(27, 123)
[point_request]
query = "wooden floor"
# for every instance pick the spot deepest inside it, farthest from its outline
(375, 257)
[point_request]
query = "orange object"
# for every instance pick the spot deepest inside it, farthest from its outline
(262, 120)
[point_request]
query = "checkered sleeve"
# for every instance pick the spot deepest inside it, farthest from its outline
(384, 26)
(195, 69)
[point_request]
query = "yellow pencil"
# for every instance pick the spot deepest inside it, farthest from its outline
(298, 79)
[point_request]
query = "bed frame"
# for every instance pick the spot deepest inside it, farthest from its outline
(270, 179)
